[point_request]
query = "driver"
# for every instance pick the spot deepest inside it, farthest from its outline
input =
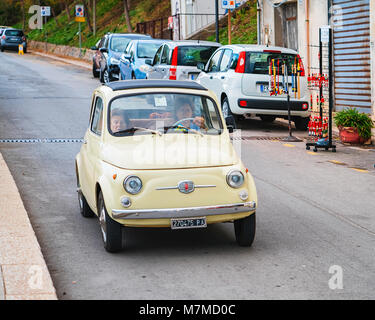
(185, 111)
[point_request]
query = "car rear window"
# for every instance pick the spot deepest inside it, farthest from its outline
(192, 55)
(259, 62)
(14, 33)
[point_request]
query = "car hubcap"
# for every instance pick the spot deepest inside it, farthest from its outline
(225, 109)
(106, 76)
(103, 224)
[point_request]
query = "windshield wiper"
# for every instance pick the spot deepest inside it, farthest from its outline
(183, 127)
(134, 129)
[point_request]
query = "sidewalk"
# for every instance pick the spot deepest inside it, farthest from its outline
(23, 271)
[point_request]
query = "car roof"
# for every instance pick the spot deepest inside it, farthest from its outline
(140, 84)
(130, 35)
(260, 48)
(194, 42)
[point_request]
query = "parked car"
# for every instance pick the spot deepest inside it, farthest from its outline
(178, 60)
(12, 38)
(239, 76)
(157, 153)
(109, 49)
(132, 62)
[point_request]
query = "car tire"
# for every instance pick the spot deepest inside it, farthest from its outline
(95, 73)
(225, 107)
(25, 50)
(111, 230)
(84, 207)
(301, 123)
(244, 230)
(2, 49)
(104, 76)
(133, 76)
(268, 119)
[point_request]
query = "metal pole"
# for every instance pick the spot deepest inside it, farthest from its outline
(80, 40)
(94, 15)
(330, 75)
(321, 74)
(217, 20)
(229, 27)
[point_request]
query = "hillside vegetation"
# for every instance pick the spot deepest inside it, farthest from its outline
(244, 25)
(62, 29)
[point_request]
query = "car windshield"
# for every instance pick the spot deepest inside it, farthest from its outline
(259, 62)
(14, 33)
(163, 113)
(119, 44)
(147, 50)
(192, 55)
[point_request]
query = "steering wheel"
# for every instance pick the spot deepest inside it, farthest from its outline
(182, 120)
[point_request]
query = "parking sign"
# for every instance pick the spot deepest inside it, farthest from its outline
(80, 10)
(45, 11)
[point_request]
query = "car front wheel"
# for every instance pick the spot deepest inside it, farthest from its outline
(111, 230)
(244, 230)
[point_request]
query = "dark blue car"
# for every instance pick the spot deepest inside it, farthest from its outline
(106, 60)
(132, 63)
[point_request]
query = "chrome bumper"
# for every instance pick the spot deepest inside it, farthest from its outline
(184, 212)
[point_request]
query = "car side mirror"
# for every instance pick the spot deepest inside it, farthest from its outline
(201, 66)
(94, 48)
(231, 123)
(149, 62)
(102, 50)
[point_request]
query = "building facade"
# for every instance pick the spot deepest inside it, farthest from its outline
(295, 24)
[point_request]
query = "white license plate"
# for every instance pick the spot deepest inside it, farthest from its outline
(189, 223)
(264, 88)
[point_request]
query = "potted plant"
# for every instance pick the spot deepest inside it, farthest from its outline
(354, 127)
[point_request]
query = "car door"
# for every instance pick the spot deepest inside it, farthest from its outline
(154, 72)
(165, 62)
(91, 149)
(126, 67)
(209, 79)
(223, 76)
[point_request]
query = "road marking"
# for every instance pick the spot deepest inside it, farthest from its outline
(360, 170)
(337, 162)
(289, 145)
(313, 153)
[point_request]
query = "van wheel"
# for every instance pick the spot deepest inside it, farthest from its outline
(301, 123)
(111, 230)
(244, 230)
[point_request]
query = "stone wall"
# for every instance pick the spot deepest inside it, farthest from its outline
(59, 50)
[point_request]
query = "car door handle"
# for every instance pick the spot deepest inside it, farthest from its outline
(222, 77)
(211, 77)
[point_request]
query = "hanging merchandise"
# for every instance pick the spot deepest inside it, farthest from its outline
(321, 124)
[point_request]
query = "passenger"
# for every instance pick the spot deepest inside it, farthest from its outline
(184, 110)
(119, 121)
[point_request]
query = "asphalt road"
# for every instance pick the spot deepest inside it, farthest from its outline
(313, 214)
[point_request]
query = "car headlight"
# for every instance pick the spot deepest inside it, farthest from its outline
(132, 184)
(235, 179)
(114, 61)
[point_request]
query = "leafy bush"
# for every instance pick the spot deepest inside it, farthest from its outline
(352, 118)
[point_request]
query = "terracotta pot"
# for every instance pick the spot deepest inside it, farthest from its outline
(350, 135)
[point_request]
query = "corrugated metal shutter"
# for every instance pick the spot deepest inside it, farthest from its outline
(352, 63)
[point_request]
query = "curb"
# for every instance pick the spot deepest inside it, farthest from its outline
(23, 272)
(76, 62)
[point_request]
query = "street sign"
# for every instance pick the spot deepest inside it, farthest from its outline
(170, 23)
(324, 34)
(45, 11)
(80, 19)
(80, 11)
(228, 4)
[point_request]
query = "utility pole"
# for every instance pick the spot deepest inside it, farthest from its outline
(94, 16)
(217, 19)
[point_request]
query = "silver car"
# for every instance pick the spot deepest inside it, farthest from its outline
(178, 60)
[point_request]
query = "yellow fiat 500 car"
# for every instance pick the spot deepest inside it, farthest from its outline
(157, 153)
